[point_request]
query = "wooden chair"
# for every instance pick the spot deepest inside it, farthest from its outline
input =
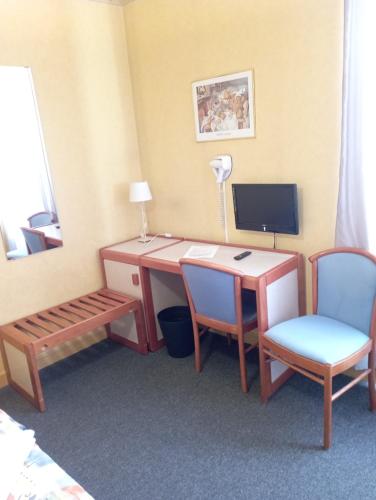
(41, 219)
(339, 334)
(216, 300)
(35, 240)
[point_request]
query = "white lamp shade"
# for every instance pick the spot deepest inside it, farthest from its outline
(139, 191)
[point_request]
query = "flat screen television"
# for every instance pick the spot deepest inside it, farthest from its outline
(266, 207)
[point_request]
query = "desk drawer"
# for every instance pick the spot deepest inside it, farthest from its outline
(123, 278)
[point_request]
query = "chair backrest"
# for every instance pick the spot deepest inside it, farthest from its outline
(35, 240)
(346, 286)
(212, 290)
(40, 219)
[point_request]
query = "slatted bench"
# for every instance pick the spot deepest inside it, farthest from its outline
(21, 341)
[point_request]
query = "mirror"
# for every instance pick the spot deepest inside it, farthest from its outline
(29, 221)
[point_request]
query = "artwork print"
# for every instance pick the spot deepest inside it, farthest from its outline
(223, 107)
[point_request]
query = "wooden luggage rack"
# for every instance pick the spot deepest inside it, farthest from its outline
(21, 341)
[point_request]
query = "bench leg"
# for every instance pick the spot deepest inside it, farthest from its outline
(22, 372)
(140, 325)
(142, 345)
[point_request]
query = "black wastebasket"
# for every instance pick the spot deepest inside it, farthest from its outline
(177, 330)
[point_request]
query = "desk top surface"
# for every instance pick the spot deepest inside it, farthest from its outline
(51, 231)
(136, 247)
(259, 262)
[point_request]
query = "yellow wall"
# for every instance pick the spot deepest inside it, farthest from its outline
(78, 54)
(294, 47)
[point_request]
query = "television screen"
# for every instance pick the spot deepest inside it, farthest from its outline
(266, 207)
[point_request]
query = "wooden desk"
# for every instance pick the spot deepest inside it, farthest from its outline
(52, 232)
(152, 274)
(258, 263)
(121, 266)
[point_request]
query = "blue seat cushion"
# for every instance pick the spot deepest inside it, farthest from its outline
(318, 338)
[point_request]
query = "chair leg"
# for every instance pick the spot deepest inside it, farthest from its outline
(196, 336)
(243, 365)
(107, 327)
(371, 381)
(328, 412)
(265, 375)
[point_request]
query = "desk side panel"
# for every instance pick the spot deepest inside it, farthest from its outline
(282, 298)
(120, 277)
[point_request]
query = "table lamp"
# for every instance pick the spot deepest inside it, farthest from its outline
(139, 192)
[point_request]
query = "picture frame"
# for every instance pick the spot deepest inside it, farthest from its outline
(224, 107)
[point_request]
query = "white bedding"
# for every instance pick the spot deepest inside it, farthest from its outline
(26, 472)
(15, 446)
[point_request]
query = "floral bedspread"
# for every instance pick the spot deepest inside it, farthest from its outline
(40, 478)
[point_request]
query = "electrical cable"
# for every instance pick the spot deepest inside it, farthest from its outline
(222, 208)
(166, 235)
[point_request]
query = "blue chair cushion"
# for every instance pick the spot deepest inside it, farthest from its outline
(318, 338)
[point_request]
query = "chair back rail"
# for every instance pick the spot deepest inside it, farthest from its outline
(344, 286)
(41, 219)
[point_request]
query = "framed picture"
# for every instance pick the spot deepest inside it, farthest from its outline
(224, 107)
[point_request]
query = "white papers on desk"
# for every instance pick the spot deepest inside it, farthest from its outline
(201, 252)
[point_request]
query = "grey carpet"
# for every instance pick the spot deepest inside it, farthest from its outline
(128, 426)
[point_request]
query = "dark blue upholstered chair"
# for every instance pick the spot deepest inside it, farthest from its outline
(337, 336)
(41, 219)
(217, 301)
(35, 240)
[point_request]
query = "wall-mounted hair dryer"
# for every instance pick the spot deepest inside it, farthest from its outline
(222, 167)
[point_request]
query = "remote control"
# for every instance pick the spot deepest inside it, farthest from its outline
(242, 255)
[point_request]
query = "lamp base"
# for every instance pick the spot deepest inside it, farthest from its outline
(144, 239)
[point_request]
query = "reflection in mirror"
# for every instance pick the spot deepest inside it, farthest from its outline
(28, 217)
